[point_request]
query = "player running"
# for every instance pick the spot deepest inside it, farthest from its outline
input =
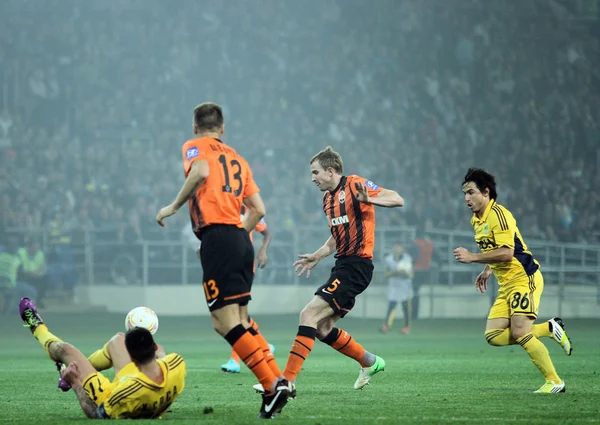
(349, 204)
(233, 364)
(218, 181)
(505, 254)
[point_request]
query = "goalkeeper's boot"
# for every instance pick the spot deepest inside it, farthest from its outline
(551, 387)
(367, 372)
(557, 327)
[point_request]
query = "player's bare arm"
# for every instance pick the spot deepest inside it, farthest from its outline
(73, 376)
(307, 262)
(255, 211)
(498, 255)
(198, 173)
(261, 257)
(386, 198)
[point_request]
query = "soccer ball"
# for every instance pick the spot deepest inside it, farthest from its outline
(142, 317)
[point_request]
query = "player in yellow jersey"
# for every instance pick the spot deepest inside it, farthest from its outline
(143, 387)
(503, 250)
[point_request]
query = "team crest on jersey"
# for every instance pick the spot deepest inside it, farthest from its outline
(371, 185)
(191, 153)
(342, 196)
(486, 229)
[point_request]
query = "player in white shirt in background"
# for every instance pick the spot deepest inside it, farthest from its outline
(399, 273)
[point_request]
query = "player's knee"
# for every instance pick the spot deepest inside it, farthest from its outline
(63, 349)
(117, 340)
(307, 317)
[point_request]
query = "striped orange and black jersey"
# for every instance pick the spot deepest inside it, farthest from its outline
(352, 223)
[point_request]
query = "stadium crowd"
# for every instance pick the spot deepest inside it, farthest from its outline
(98, 100)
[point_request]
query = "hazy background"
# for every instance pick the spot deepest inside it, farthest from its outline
(96, 99)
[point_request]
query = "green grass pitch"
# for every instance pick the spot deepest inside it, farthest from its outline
(442, 373)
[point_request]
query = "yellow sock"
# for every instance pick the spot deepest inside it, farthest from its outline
(499, 337)
(101, 359)
(541, 329)
(390, 319)
(539, 356)
(45, 337)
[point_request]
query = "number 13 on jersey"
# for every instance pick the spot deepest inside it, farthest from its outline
(234, 167)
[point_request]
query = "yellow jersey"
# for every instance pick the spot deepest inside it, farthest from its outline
(497, 228)
(135, 396)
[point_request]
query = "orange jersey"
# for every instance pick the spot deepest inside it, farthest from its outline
(352, 223)
(219, 198)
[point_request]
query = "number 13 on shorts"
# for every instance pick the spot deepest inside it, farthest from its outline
(210, 290)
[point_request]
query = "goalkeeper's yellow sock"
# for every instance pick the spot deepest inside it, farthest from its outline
(541, 329)
(101, 359)
(499, 337)
(45, 337)
(539, 356)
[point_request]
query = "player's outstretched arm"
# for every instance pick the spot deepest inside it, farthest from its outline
(255, 211)
(308, 261)
(385, 198)
(198, 173)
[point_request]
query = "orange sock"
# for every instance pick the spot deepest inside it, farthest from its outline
(341, 341)
(264, 345)
(253, 324)
(234, 356)
(301, 348)
(250, 353)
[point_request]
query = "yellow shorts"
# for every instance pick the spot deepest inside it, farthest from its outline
(99, 388)
(519, 298)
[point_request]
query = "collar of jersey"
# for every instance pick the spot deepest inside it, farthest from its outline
(340, 184)
(485, 213)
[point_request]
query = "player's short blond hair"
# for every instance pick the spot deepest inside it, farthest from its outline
(328, 158)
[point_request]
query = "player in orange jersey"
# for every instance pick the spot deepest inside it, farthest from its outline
(349, 204)
(233, 364)
(218, 182)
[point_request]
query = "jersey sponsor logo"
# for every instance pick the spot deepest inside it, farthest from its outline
(191, 153)
(336, 221)
(210, 304)
(342, 196)
(486, 243)
(371, 185)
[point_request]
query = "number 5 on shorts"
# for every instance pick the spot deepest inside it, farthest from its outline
(334, 285)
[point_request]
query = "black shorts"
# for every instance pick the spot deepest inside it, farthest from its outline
(227, 258)
(349, 277)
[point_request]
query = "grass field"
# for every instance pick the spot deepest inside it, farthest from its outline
(443, 373)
